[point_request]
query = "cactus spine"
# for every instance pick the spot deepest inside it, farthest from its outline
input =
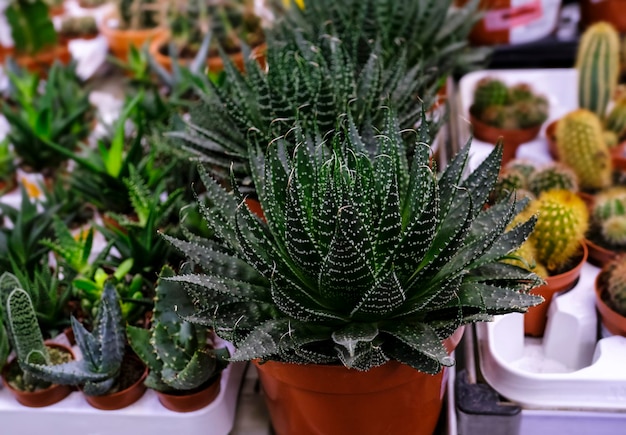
(581, 145)
(616, 285)
(561, 226)
(597, 63)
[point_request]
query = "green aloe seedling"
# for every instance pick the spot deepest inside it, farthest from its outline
(175, 350)
(102, 350)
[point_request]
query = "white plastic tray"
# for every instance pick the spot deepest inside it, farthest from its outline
(569, 368)
(73, 415)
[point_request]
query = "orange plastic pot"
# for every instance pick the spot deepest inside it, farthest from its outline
(120, 40)
(334, 400)
(512, 139)
(191, 402)
(41, 62)
(614, 322)
(536, 317)
(120, 399)
(598, 255)
(214, 63)
(46, 397)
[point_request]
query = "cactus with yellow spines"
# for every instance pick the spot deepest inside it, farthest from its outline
(615, 278)
(551, 177)
(563, 219)
(616, 119)
(597, 62)
(582, 147)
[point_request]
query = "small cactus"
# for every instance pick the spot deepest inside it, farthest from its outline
(597, 62)
(615, 279)
(490, 91)
(609, 216)
(551, 177)
(77, 27)
(562, 222)
(581, 146)
(616, 119)
(525, 167)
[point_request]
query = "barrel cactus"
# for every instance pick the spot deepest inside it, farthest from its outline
(581, 146)
(562, 222)
(598, 65)
(555, 176)
(176, 351)
(615, 279)
(490, 91)
(608, 217)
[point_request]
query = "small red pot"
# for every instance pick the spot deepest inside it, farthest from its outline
(191, 402)
(121, 399)
(614, 322)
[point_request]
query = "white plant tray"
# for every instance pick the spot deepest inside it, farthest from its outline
(569, 368)
(73, 415)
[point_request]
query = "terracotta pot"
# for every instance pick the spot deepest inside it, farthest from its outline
(214, 63)
(121, 399)
(592, 11)
(191, 402)
(536, 317)
(120, 41)
(41, 62)
(614, 322)
(512, 139)
(46, 397)
(334, 400)
(598, 255)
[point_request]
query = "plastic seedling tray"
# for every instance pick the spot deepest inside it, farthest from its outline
(73, 415)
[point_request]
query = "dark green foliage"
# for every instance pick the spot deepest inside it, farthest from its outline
(32, 29)
(365, 256)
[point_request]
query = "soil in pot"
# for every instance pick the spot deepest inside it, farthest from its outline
(38, 394)
(128, 388)
(536, 317)
(333, 400)
(192, 400)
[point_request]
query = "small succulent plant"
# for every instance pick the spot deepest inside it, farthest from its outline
(508, 107)
(177, 352)
(608, 218)
(613, 277)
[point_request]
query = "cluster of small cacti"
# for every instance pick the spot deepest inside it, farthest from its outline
(615, 278)
(530, 181)
(74, 27)
(563, 220)
(581, 145)
(510, 108)
(608, 218)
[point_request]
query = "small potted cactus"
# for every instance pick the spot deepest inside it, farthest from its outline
(109, 377)
(78, 27)
(606, 237)
(515, 113)
(610, 286)
(555, 249)
(185, 367)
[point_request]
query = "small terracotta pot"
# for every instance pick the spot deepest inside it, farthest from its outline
(512, 139)
(191, 402)
(41, 62)
(614, 322)
(46, 397)
(536, 317)
(393, 398)
(120, 41)
(214, 63)
(592, 11)
(598, 255)
(121, 399)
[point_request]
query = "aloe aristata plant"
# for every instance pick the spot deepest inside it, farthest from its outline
(364, 256)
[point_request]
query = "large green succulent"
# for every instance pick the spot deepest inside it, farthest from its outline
(364, 256)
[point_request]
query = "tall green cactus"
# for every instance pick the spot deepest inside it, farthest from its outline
(581, 146)
(176, 351)
(598, 67)
(102, 350)
(615, 279)
(561, 226)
